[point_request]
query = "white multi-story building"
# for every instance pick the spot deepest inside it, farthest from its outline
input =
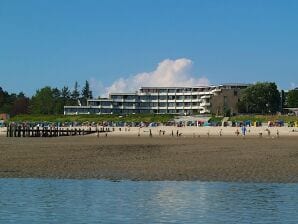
(165, 100)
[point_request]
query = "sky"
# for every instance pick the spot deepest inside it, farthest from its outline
(121, 45)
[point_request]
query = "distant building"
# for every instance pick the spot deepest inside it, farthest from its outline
(166, 100)
(4, 117)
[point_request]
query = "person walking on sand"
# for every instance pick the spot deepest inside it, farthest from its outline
(243, 129)
(268, 132)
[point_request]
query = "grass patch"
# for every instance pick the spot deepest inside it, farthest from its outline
(264, 118)
(94, 118)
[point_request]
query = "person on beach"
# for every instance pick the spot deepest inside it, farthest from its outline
(268, 132)
(243, 129)
(237, 132)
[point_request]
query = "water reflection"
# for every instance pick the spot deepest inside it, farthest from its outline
(93, 201)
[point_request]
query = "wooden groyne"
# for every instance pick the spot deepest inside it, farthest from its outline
(27, 131)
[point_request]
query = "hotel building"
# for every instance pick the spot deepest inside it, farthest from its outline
(166, 100)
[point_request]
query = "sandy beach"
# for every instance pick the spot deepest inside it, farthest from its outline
(214, 158)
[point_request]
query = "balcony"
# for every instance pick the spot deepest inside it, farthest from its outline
(129, 108)
(129, 100)
(163, 94)
(206, 97)
(204, 104)
(118, 100)
(106, 106)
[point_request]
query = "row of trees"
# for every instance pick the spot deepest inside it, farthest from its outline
(264, 98)
(13, 103)
(46, 100)
(260, 98)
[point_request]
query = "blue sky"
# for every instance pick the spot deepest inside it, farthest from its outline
(56, 42)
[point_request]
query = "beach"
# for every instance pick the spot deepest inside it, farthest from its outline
(128, 157)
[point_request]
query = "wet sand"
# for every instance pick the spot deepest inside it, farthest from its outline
(251, 159)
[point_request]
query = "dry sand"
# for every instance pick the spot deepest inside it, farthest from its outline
(251, 159)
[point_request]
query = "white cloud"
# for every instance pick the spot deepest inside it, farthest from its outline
(293, 85)
(96, 86)
(169, 73)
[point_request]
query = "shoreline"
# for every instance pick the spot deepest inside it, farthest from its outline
(163, 131)
(228, 159)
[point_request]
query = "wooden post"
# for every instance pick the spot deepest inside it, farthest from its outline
(19, 131)
(24, 131)
(11, 131)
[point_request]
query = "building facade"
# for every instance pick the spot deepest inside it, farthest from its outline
(165, 100)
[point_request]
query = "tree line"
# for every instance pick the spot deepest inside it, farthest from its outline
(264, 98)
(46, 100)
(260, 98)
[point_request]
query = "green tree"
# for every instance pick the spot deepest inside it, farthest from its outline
(75, 95)
(6, 101)
(58, 103)
(66, 95)
(292, 98)
(261, 98)
(86, 93)
(43, 102)
(20, 106)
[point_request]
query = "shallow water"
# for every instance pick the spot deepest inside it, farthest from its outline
(99, 201)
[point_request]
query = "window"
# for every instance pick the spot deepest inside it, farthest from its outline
(105, 103)
(153, 97)
(162, 97)
(163, 91)
(144, 97)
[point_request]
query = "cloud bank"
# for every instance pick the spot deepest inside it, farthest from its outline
(169, 73)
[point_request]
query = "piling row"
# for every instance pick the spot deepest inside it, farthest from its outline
(27, 131)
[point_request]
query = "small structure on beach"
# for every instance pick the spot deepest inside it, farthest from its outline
(293, 110)
(4, 117)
